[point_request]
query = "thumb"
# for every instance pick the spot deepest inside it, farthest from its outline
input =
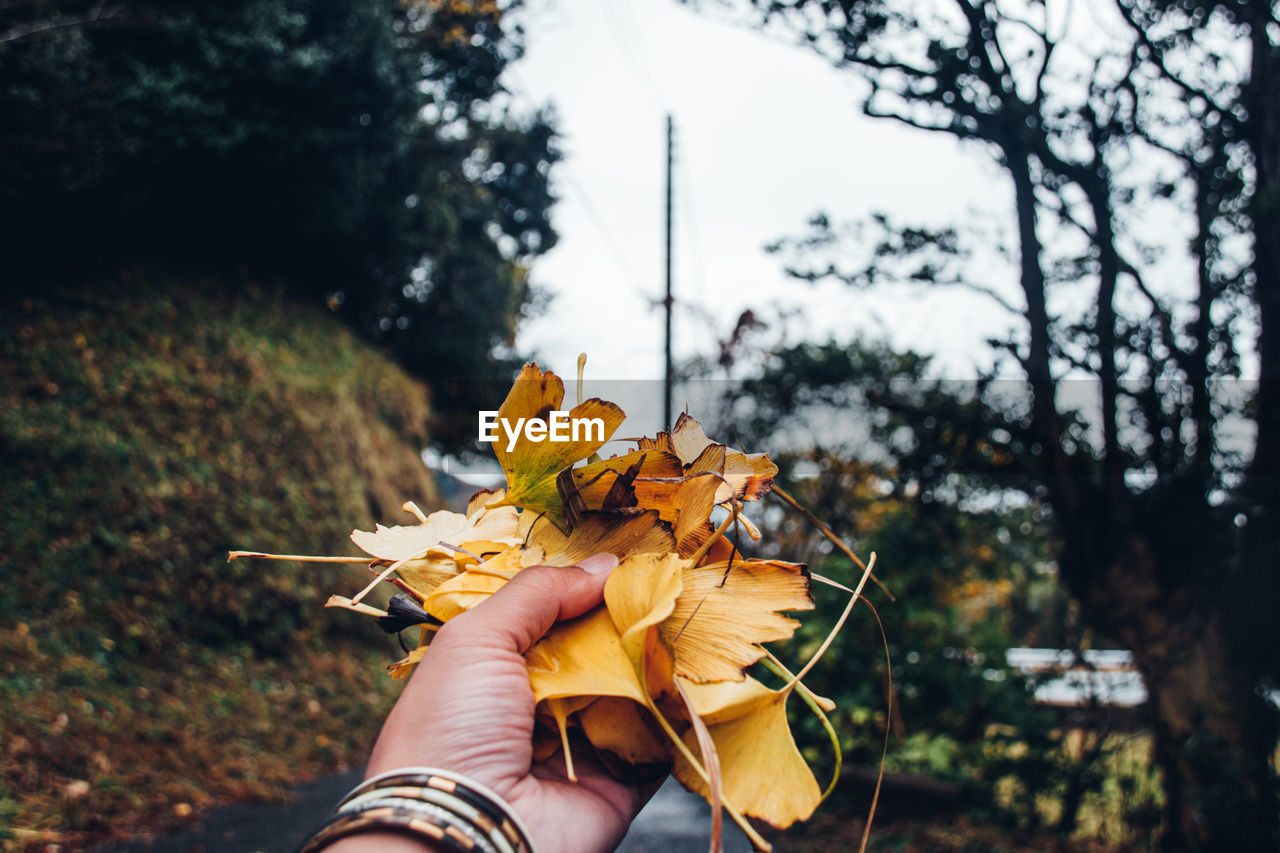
(524, 609)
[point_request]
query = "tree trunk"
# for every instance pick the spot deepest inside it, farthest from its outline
(1262, 132)
(1208, 750)
(1255, 583)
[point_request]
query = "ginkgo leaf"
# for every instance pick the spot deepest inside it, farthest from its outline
(622, 534)
(536, 528)
(428, 554)
(685, 502)
(746, 476)
(559, 711)
(403, 668)
(479, 581)
(625, 728)
(762, 771)
(583, 657)
(594, 482)
(686, 440)
(481, 500)
(532, 466)
(424, 575)
(408, 542)
(639, 594)
(725, 611)
(459, 594)
(750, 474)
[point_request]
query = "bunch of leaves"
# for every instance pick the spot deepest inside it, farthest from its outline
(135, 673)
(655, 679)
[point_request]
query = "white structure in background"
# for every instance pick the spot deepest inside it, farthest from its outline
(1106, 676)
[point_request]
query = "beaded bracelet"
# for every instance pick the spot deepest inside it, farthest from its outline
(439, 829)
(442, 807)
(459, 792)
(410, 797)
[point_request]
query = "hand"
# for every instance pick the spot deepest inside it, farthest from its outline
(468, 708)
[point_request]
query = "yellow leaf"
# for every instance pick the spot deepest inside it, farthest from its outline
(582, 657)
(532, 466)
(686, 440)
(749, 474)
(761, 771)
(626, 729)
(723, 615)
(425, 574)
(654, 677)
(403, 668)
(621, 534)
(593, 482)
(536, 528)
(481, 499)
(461, 593)
(639, 594)
(559, 710)
(746, 477)
(685, 502)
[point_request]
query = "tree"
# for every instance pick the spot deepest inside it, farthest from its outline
(863, 435)
(1131, 424)
(367, 151)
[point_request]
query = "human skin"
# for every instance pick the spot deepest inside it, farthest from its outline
(468, 708)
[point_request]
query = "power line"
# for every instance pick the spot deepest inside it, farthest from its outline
(601, 228)
(632, 51)
(699, 281)
(584, 198)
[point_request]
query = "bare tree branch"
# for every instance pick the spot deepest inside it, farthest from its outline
(99, 14)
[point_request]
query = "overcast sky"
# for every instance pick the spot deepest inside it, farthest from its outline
(766, 135)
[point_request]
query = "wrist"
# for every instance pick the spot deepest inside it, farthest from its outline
(421, 810)
(383, 842)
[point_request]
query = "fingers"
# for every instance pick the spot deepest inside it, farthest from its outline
(523, 610)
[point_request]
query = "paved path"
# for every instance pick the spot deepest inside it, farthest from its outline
(674, 821)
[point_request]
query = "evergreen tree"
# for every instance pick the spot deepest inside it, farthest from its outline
(366, 150)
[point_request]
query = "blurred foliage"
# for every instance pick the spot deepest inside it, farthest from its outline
(970, 560)
(1129, 263)
(838, 833)
(365, 150)
(146, 427)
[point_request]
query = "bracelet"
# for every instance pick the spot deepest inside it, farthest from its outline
(442, 807)
(489, 835)
(386, 816)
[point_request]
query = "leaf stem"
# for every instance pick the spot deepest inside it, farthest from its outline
(829, 533)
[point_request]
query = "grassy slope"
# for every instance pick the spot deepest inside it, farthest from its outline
(145, 429)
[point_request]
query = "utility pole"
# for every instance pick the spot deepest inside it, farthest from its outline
(669, 301)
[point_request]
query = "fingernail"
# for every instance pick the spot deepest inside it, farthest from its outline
(599, 564)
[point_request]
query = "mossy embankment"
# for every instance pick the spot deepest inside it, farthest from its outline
(146, 427)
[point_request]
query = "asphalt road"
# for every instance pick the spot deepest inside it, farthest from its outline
(674, 821)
